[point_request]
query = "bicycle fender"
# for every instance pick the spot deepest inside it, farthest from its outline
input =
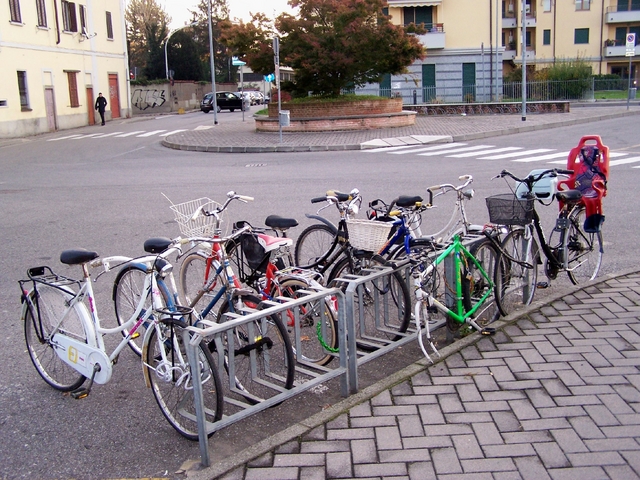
(333, 228)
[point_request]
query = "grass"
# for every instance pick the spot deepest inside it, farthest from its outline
(610, 95)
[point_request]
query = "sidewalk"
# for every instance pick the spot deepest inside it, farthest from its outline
(241, 137)
(554, 394)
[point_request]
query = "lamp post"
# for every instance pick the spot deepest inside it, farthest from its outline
(213, 69)
(166, 63)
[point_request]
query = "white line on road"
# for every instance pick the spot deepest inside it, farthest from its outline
(171, 133)
(129, 134)
(465, 149)
(63, 138)
(495, 150)
(85, 136)
(516, 154)
(624, 160)
(148, 134)
(611, 155)
(108, 135)
(543, 157)
(432, 148)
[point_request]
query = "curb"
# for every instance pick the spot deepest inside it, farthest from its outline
(301, 428)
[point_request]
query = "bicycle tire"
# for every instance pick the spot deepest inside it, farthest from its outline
(270, 349)
(51, 303)
(127, 289)
(315, 348)
(313, 244)
(515, 284)
(192, 280)
(395, 295)
(171, 382)
(584, 249)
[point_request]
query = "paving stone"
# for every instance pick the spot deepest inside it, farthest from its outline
(325, 446)
(595, 458)
(445, 461)
(298, 459)
(289, 473)
(527, 437)
(621, 472)
(467, 446)
(431, 414)
(361, 410)
(388, 438)
(601, 415)
(350, 434)
(488, 465)
(468, 393)
(517, 364)
(364, 451)
(629, 393)
(555, 388)
(421, 471)
(317, 433)
(551, 455)
(486, 383)
(342, 421)
(585, 427)
(339, 465)
(265, 460)
(569, 441)
(583, 473)
(531, 468)
(403, 388)
(383, 398)
(382, 421)
(451, 403)
(313, 473)
(556, 412)
(395, 410)
(509, 450)
(427, 442)
(406, 456)
(504, 395)
(523, 409)
(487, 434)
(410, 426)
(506, 421)
(378, 470)
(570, 377)
(289, 447)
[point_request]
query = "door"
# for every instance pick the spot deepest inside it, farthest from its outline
(468, 82)
(428, 83)
(114, 98)
(385, 85)
(50, 107)
(91, 106)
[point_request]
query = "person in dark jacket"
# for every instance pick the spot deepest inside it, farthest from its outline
(101, 104)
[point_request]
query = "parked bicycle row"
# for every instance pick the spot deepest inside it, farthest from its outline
(462, 274)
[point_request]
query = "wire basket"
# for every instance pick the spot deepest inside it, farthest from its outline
(369, 235)
(201, 226)
(507, 209)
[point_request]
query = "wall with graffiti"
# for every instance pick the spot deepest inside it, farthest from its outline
(168, 98)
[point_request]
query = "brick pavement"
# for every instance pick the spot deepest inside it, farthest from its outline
(554, 394)
(241, 137)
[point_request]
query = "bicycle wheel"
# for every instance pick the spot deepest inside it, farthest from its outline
(263, 362)
(584, 249)
(169, 374)
(51, 303)
(475, 285)
(317, 340)
(192, 281)
(516, 283)
(392, 313)
(128, 288)
(313, 244)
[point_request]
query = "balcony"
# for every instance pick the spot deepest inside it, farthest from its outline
(509, 22)
(618, 50)
(509, 55)
(530, 21)
(618, 15)
(434, 38)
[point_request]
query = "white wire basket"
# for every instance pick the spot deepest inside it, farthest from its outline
(201, 226)
(369, 235)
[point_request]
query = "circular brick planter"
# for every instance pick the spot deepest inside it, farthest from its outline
(336, 116)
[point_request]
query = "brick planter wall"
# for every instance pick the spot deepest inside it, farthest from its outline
(328, 124)
(338, 109)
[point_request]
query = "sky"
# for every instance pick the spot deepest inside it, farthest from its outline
(178, 9)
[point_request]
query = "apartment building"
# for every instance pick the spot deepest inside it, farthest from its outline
(471, 44)
(57, 55)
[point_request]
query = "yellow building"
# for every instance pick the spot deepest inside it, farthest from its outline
(57, 56)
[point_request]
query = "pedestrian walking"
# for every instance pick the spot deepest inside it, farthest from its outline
(101, 104)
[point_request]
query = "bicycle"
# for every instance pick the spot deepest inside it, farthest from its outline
(207, 281)
(573, 246)
(64, 335)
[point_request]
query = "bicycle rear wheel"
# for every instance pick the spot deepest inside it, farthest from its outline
(39, 323)
(516, 283)
(192, 282)
(128, 288)
(584, 249)
(171, 379)
(313, 244)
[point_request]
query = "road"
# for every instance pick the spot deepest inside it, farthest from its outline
(106, 192)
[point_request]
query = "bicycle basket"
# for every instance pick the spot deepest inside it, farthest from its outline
(369, 235)
(199, 227)
(507, 209)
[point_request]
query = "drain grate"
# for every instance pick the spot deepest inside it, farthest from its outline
(256, 165)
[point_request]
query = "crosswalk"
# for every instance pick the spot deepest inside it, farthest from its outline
(492, 152)
(137, 133)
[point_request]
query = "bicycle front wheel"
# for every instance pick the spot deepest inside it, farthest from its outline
(318, 328)
(515, 282)
(39, 323)
(313, 244)
(583, 249)
(171, 379)
(128, 289)
(196, 289)
(257, 356)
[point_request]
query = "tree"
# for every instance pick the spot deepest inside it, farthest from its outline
(155, 66)
(184, 58)
(143, 17)
(331, 45)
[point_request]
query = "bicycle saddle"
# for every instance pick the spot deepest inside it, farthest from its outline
(77, 256)
(407, 200)
(156, 244)
(281, 223)
(569, 196)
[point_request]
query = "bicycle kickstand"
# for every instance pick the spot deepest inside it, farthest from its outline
(83, 392)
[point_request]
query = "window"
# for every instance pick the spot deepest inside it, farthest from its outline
(418, 15)
(109, 26)
(583, 4)
(42, 13)
(22, 89)
(581, 36)
(546, 5)
(73, 89)
(546, 37)
(14, 7)
(82, 11)
(69, 21)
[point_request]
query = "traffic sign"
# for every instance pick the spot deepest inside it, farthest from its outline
(270, 78)
(631, 45)
(237, 63)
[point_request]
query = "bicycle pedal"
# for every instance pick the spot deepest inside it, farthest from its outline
(488, 331)
(80, 393)
(542, 285)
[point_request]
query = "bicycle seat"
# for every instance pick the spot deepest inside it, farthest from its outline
(156, 245)
(280, 223)
(408, 201)
(273, 243)
(569, 196)
(342, 197)
(77, 256)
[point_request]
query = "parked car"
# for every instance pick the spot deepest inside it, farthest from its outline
(224, 100)
(248, 97)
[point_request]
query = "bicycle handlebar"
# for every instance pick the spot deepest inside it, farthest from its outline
(531, 179)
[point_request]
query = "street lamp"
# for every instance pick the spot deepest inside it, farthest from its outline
(213, 69)
(166, 64)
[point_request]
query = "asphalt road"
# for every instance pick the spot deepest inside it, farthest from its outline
(106, 194)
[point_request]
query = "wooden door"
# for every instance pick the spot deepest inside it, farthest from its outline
(91, 106)
(114, 97)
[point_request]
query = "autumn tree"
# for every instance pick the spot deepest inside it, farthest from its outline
(331, 44)
(184, 58)
(147, 27)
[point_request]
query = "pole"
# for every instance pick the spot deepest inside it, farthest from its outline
(629, 85)
(213, 70)
(524, 61)
(497, 45)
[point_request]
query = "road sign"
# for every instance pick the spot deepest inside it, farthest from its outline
(270, 78)
(237, 63)
(631, 45)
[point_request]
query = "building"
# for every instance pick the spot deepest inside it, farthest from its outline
(58, 55)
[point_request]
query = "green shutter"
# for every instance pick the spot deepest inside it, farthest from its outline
(546, 37)
(385, 85)
(428, 83)
(581, 36)
(468, 82)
